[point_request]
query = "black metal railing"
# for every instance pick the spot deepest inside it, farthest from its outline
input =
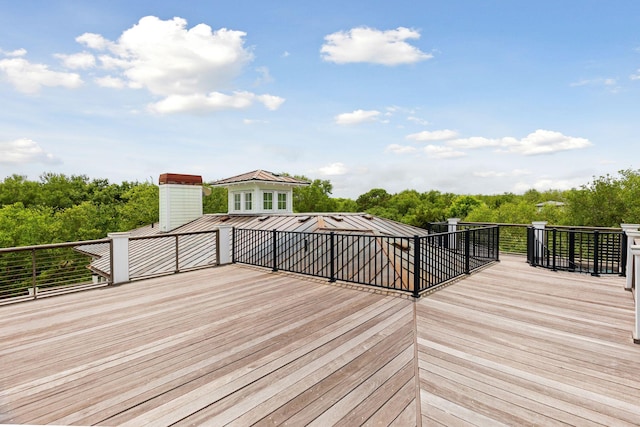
(578, 250)
(407, 264)
(162, 254)
(31, 272)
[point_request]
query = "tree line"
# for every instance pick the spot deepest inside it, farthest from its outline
(60, 208)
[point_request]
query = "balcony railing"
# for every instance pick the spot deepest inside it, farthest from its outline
(31, 272)
(594, 251)
(408, 264)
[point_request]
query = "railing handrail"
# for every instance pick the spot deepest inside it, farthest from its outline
(54, 245)
(574, 227)
(159, 235)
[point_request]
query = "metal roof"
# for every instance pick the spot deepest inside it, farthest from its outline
(260, 176)
(151, 256)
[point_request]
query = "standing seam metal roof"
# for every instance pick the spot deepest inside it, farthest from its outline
(261, 176)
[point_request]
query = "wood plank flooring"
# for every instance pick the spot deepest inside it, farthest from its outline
(230, 345)
(509, 345)
(514, 345)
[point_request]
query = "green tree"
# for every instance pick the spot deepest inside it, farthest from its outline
(216, 202)
(315, 197)
(22, 226)
(377, 197)
(141, 206)
(462, 206)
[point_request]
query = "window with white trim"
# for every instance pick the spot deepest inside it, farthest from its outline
(248, 201)
(282, 201)
(267, 201)
(237, 201)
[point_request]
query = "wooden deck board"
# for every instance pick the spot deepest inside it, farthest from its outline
(510, 345)
(523, 346)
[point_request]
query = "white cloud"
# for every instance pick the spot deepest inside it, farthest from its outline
(546, 142)
(481, 142)
(82, 60)
(214, 101)
(539, 142)
(333, 169)
(495, 174)
(400, 149)
(364, 44)
(24, 150)
(436, 135)
(543, 184)
(94, 41)
(418, 120)
(14, 53)
(110, 82)
(30, 78)
(440, 152)
(635, 76)
(265, 76)
(190, 68)
(254, 121)
(357, 117)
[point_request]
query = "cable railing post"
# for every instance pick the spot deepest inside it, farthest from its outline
(467, 246)
(417, 266)
(33, 274)
(332, 255)
(275, 249)
(217, 240)
(496, 246)
(110, 261)
(596, 253)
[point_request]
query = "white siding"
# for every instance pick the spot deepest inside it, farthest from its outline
(179, 204)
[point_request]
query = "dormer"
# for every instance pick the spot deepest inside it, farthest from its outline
(260, 192)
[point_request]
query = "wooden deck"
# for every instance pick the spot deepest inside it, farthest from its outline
(509, 345)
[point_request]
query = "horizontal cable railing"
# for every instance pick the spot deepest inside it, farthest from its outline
(31, 272)
(408, 264)
(162, 254)
(513, 237)
(594, 251)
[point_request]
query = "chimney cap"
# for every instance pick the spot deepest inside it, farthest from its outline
(176, 178)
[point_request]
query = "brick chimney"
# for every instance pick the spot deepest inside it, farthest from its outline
(180, 200)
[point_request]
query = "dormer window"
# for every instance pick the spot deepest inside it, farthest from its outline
(267, 201)
(260, 192)
(282, 201)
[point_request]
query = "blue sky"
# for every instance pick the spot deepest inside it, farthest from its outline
(470, 97)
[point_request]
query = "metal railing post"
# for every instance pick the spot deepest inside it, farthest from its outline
(553, 249)
(572, 249)
(623, 255)
(332, 255)
(467, 246)
(275, 249)
(596, 253)
(177, 252)
(417, 266)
